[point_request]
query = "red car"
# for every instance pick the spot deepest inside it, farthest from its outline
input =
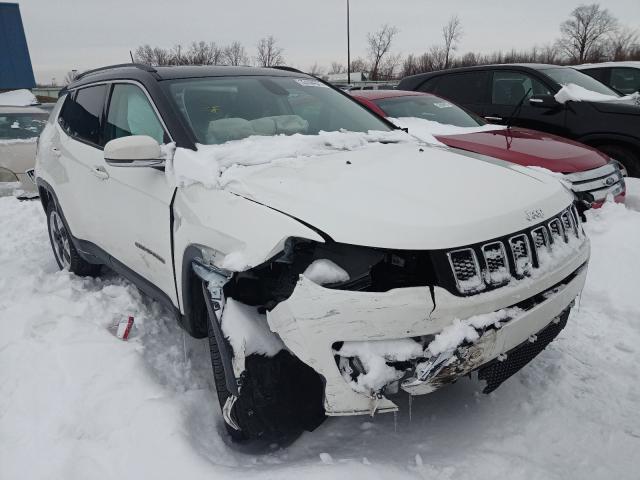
(593, 175)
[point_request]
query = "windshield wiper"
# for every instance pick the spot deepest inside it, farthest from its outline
(516, 111)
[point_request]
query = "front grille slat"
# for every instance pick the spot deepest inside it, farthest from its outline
(513, 257)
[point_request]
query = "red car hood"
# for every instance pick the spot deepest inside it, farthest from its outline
(529, 148)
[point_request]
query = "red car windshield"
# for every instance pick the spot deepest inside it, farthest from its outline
(429, 107)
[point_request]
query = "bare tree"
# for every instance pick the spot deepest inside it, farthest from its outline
(203, 53)
(582, 34)
(316, 70)
(336, 67)
(621, 43)
(269, 53)
(358, 65)
(379, 46)
(451, 34)
(235, 54)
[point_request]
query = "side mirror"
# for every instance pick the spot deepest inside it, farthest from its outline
(133, 151)
(543, 101)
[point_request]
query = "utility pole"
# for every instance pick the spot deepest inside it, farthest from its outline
(348, 48)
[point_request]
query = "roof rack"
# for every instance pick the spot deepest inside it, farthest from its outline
(141, 66)
(287, 69)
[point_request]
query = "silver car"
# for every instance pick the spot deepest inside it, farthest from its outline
(19, 131)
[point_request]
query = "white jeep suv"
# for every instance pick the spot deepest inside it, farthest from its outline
(333, 261)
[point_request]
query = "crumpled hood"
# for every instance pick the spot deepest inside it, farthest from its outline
(529, 148)
(402, 196)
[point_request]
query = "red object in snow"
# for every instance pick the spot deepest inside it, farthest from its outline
(124, 329)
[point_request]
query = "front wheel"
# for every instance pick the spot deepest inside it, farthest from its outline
(278, 398)
(66, 255)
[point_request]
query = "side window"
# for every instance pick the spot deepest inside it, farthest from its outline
(509, 87)
(429, 85)
(81, 114)
(599, 74)
(465, 88)
(131, 113)
(625, 80)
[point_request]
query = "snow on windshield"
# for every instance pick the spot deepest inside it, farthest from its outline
(426, 130)
(18, 98)
(209, 162)
(576, 93)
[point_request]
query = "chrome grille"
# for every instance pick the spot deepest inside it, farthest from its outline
(516, 256)
(521, 253)
(495, 257)
(466, 270)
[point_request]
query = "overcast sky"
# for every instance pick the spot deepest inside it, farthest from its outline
(82, 34)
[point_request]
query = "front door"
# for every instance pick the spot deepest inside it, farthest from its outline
(136, 202)
(508, 88)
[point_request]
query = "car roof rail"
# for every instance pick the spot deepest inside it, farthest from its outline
(141, 66)
(288, 69)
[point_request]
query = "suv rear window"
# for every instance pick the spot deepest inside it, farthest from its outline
(81, 114)
(465, 88)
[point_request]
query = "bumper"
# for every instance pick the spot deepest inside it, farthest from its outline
(314, 318)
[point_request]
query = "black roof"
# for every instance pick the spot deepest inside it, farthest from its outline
(134, 71)
(411, 81)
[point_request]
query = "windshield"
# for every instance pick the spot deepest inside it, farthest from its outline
(21, 125)
(428, 107)
(219, 109)
(565, 76)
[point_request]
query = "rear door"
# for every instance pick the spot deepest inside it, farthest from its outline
(78, 148)
(135, 203)
(508, 88)
(469, 89)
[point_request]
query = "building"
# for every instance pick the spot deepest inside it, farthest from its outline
(15, 63)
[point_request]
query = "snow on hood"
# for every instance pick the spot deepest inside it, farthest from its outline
(18, 98)
(208, 164)
(405, 196)
(576, 93)
(427, 130)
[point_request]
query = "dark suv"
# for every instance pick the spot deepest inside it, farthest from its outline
(494, 92)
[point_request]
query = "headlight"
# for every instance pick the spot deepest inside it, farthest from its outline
(7, 175)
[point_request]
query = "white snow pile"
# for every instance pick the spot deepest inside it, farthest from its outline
(575, 93)
(248, 331)
(209, 162)
(323, 271)
(78, 403)
(427, 130)
(18, 98)
(632, 198)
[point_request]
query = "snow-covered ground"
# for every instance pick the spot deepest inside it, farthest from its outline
(77, 403)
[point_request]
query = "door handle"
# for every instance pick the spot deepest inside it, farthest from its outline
(493, 119)
(100, 172)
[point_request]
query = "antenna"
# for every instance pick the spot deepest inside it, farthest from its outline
(131, 55)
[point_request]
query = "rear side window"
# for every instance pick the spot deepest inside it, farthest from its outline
(465, 88)
(131, 113)
(625, 80)
(81, 114)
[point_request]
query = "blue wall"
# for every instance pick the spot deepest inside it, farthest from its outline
(15, 63)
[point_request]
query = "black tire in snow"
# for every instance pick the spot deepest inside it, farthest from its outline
(65, 253)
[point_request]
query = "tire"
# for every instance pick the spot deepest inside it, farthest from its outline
(625, 156)
(279, 398)
(220, 381)
(65, 253)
